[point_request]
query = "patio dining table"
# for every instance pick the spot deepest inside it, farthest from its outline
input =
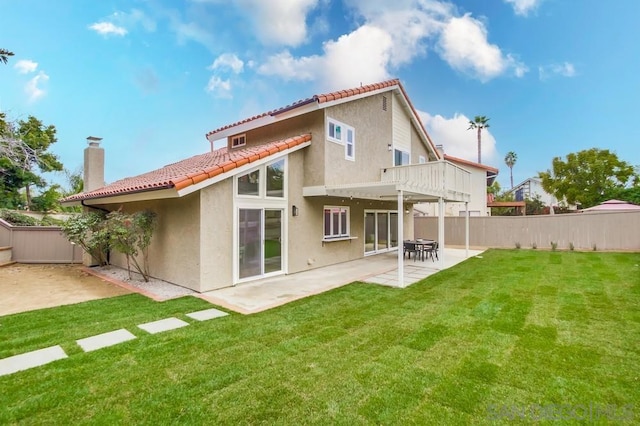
(421, 245)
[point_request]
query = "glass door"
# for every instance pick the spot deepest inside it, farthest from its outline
(383, 231)
(272, 241)
(259, 242)
(369, 232)
(249, 243)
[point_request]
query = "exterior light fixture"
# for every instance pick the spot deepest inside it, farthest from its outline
(388, 147)
(295, 211)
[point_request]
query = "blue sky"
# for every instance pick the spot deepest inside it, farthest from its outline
(152, 77)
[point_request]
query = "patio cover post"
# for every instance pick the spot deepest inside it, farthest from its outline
(441, 228)
(466, 229)
(401, 240)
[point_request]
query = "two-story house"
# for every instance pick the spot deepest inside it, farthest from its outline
(325, 180)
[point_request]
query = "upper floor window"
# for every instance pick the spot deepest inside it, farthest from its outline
(400, 157)
(349, 148)
(275, 179)
(342, 134)
(265, 181)
(238, 140)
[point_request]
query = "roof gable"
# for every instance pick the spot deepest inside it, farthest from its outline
(194, 170)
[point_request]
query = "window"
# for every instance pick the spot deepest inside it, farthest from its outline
(249, 184)
(422, 160)
(336, 222)
(334, 133)
(401, 158)
(342, 134)
(238, 140)
(275, 179)
(349, 149)
(265, 181)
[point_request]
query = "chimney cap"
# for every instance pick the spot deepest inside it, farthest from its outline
(93, 140)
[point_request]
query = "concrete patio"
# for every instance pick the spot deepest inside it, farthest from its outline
(381, 269)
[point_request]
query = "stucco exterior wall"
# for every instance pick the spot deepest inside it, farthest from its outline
(216, 236)
(174, 253)
(372, 135)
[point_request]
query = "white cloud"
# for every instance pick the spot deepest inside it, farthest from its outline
(456, 140)
(359, 57)
(26, 66)
(33, 89)
(523, 7)
(279, 22)
(108, 28)
(228, 61)
(566, 69)
(218, 87)
(393, 34)
(465, 47)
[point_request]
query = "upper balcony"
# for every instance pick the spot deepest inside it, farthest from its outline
(417, 182)
(440, 179)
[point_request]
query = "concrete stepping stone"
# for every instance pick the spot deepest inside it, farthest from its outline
(31, 359)
(103, 340)
(207, 314)
(163, 325)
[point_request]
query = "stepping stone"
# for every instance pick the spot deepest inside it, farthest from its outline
(163, 325)
(207, 314)
(31, 359)
(103, 340)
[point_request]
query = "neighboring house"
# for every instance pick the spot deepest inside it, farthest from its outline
(325, 180)
(482, 176)
(531, 188)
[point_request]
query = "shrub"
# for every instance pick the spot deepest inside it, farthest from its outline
(517, 245)
(554, 246)
(571, 247)
(534, 246)
(595, 248)
(88, 230)
(18, 219)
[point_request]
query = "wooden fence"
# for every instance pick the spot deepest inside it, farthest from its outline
(38, 244)
(604, 231)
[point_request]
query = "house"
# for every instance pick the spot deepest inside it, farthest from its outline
(327, 179)
(482, 176)
(531, 188)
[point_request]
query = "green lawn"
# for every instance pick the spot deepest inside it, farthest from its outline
(510, 336)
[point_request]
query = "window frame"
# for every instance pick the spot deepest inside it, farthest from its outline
(235, 138)
(403, 152)
(262, 181)
(340, 210)
(351, 144)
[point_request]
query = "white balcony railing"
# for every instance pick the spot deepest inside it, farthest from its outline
(437, 178)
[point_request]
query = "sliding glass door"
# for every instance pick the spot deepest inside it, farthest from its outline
(259, 242)
(380, 231)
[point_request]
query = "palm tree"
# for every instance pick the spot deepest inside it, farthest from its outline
(479, 122)
(4, 55)
(510, 160)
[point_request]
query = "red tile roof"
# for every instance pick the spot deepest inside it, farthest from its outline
(322, 98)
(192, 170)
(332, 96)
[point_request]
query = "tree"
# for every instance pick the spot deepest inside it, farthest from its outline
(4, 55)
(588, 177)
(510, 160)
(23, 148)
(479, 122)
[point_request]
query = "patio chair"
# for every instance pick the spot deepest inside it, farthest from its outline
(410, 247)
(432, 250)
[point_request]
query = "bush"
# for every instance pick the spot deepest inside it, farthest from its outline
(18, 219)
(554, 246)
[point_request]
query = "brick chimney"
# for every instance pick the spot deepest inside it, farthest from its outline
(93, 165)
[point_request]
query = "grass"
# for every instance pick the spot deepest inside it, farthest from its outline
(501, 338)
